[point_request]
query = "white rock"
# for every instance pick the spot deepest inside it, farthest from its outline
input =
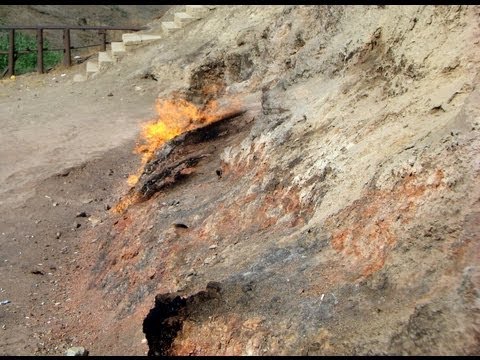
(76, 351)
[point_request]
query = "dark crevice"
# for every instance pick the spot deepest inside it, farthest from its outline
(165, 320)
(163, 323)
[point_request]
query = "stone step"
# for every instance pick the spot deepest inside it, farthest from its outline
(182, 18)
(169, 26)
(92, 66)
(118, 48)
(104, 57)
(196, 10)
(135, 39)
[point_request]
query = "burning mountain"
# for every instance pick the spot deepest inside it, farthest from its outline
(340, 218)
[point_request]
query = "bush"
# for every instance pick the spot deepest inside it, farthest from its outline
(27, 62)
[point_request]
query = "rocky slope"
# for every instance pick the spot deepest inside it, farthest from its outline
(338, 213)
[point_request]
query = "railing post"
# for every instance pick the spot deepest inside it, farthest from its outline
(11, 53)
(67, 57)
(40, 50)
(103, 33)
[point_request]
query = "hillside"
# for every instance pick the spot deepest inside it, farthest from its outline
(308, 184)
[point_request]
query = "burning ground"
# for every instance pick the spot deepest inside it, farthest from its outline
(309, 187)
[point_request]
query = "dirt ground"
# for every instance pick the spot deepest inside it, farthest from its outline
(47, 123)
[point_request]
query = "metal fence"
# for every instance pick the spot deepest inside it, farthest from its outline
(67, 46)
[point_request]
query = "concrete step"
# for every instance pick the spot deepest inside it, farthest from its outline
(182, 18)
(104, 57)
(92, 66)
(118, 48)
(196, 10)
(170, 26)
(135, 39)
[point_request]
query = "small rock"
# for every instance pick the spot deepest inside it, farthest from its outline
(81, 214)
(37, 272)
(110, 94)
(191, 272)
(55, 204)
(58, 234)
(212, 246)
(107, 207)
(138, 88)
(76, 351)
(4, 302)
(94, 220)
(63, 75)
(4, 327)
(152, 274)
(76, 225)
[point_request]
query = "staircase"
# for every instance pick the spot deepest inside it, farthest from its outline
(118, 49)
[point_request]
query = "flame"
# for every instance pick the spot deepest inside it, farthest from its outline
(175, 116)
(132, 180)
(123, 204)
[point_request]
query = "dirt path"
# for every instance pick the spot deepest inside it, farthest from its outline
(49, 124)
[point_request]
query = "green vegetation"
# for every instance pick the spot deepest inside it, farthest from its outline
(27, 62)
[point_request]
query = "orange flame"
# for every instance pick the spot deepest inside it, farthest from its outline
(174, 118)
(124, 203)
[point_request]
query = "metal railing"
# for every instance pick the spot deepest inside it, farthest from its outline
(67, 47)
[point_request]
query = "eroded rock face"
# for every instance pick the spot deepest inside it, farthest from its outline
(344, 219)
